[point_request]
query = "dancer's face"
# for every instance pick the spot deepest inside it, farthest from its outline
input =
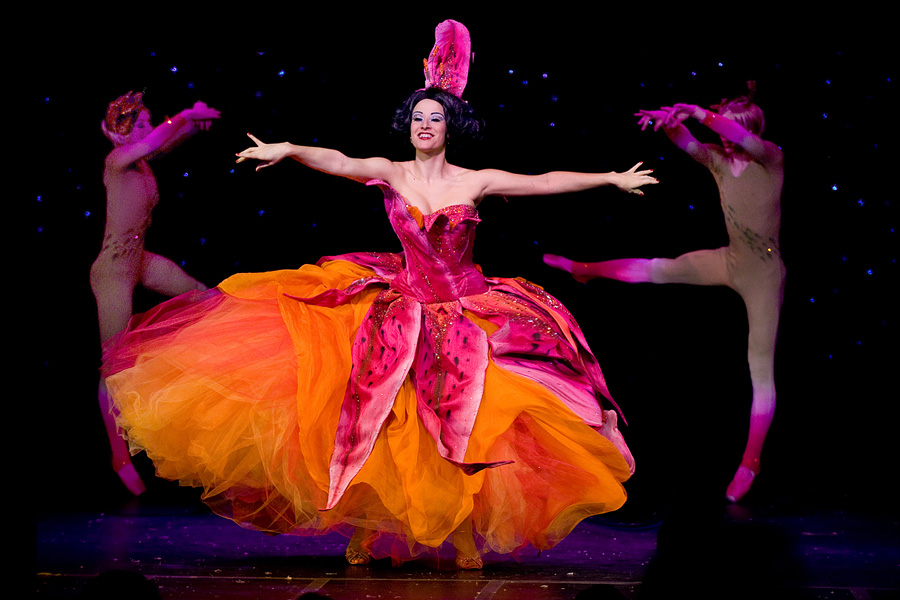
(428, 128)
(141, 128)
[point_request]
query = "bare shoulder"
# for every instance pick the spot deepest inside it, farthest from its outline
(481, 178)
(365, 169)
(122, 158)
(462, 173)
(117, 160)
(470, 183)
(773, 154)
(383, 163)
(386, 169)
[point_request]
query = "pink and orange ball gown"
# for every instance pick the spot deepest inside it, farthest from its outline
(399, 392)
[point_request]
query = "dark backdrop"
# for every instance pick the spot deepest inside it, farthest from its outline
(558, 91)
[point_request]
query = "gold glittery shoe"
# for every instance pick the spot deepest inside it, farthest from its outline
(357, 556)
(469, 563)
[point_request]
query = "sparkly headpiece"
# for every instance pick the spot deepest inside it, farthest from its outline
(123, 112)
(447, 67)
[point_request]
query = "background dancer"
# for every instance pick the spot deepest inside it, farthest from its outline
(123, 263)
(749, 173)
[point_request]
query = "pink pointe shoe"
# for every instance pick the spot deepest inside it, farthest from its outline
(569, 266)
(741, 484)
(129, 476)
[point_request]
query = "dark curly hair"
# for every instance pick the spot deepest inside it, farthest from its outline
(462, 122)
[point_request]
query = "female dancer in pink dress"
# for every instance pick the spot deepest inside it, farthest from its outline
(750, 173)
(123, 263)
(402, 398)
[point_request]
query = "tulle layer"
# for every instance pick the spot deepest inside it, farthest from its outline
(238, 390)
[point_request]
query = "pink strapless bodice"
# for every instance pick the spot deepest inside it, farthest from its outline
(437, 248)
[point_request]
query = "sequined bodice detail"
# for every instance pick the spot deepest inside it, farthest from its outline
(437, 249)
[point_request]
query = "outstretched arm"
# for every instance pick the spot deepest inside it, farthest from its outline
(501, 183)
(760, 150)
(165, 136)
(198, 119)
(676, 131)
(326, 160)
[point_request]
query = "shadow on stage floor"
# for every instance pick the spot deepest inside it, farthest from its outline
(767, 547)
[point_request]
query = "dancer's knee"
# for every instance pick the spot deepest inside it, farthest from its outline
(112, 279)
(162, 275)
(660, 270)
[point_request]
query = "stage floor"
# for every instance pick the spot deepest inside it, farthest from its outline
(731, 552)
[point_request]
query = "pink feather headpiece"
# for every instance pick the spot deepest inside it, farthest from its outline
(447, 67)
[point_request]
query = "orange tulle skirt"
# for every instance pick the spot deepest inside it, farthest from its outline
(238, 391)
